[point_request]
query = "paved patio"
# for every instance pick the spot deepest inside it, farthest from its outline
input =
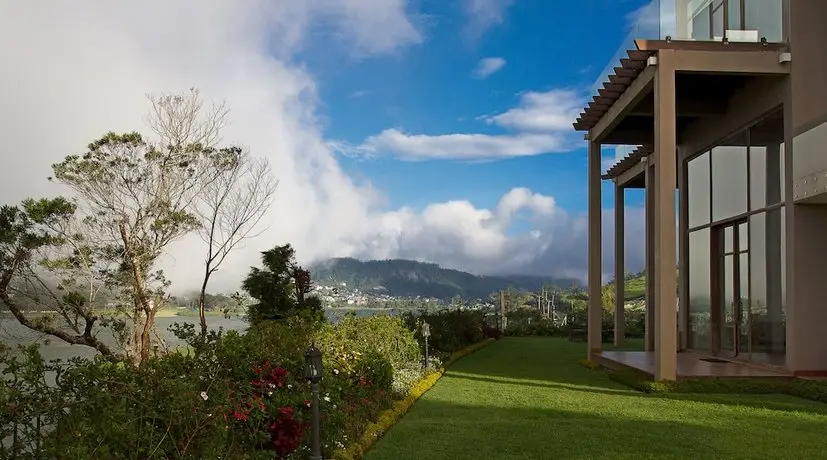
(690, 365)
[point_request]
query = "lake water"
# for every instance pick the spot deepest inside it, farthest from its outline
(11, 332)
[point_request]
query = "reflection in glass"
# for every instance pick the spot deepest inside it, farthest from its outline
(729, 181)
(757, 177)
(699, 289)
(766, 288)
(743, 305)
(728, 303)
(717, 19)
(765, 16)
(734, 15)
(698, 190)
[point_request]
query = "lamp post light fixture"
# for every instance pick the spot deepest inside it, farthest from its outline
(313, 372)
(426, 332)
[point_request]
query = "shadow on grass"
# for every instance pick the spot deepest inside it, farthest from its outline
(550, 385)
(441, 430)
(553, 363)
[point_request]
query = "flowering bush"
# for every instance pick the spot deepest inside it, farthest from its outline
(227, 395)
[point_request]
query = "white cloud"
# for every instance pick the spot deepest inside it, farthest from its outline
(488, 66)
(463, 147)
(483, 15)
(541, 122)
(550, 111)
(83, 69)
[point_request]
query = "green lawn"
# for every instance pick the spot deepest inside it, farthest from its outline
(529, 398)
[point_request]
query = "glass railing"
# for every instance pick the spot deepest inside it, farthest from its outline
(701, 20)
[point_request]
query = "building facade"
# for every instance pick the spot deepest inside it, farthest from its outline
(727, 102)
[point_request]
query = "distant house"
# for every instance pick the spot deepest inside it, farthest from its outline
(724, 101)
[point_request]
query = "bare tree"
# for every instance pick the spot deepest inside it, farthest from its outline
(231, 207)
(181, 118)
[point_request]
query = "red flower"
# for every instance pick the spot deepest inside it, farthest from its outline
(241, 416)
(307, 403)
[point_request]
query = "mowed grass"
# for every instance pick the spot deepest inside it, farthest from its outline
(530, 398)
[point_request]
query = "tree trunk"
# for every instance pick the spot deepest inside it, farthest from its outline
(201, 302)
(145, 334)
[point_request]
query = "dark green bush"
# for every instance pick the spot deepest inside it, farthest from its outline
(451, 330)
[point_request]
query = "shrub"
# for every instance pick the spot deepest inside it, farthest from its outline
(451, 330)
(223, 395)
(345, 342)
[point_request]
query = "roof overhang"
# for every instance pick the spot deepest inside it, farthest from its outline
(707, 74)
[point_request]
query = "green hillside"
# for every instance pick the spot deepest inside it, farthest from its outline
(408, 278)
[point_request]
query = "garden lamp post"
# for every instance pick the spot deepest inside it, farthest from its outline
(313, 372)
(426, 332)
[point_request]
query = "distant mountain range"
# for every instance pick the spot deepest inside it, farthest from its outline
(408, 278)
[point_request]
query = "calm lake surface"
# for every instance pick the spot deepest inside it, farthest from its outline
(11, 332)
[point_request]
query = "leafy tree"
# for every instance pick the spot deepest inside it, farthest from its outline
(46, 265)
(282, 287)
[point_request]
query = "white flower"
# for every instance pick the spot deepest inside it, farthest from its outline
(289, 386)
(336, 371)
(204, 395)
(327, 399)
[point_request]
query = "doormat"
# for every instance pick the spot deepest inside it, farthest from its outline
(714, 360)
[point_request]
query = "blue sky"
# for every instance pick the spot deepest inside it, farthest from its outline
(431, 89)
(457, 113)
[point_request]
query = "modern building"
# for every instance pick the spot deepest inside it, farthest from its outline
(727, 103)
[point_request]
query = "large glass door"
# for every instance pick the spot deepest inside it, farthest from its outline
(730, 273)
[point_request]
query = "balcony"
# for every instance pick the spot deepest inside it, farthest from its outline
(701, 20)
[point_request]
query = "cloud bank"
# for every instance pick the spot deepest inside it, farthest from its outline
(76, 71)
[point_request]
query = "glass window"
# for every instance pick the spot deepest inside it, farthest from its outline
(717, 19)
(699, 289)
(699, 12)
(734, 15)
(729, 180)
(698, 185)
(766, 304)
(757, 177)
(764, 16)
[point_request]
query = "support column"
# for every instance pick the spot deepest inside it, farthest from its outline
(620, 267)
(649, 245)
(595, 309)
(683, 253)
(665, 226)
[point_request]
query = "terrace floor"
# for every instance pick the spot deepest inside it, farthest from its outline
(690, 365)
(531, 398)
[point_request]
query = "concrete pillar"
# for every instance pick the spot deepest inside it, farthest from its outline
(620, 267)
(665, 225)
(683, 253)
(773, 248)
(595, 308)
(651, 275)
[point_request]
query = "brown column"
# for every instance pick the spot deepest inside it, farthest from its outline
(651, 275)
(683, 255)
(620, 267)
(665, 227)
(595, 311)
